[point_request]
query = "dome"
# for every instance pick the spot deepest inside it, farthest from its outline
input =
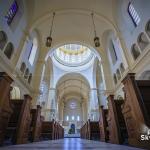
(73, 54)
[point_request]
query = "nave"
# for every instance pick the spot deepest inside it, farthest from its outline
(69, 144)
(74, 67)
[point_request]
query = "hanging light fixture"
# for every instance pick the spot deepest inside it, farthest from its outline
(96, 38)
(49, 38)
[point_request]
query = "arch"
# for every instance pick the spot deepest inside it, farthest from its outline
(135, 51)
(30, 78)
(112, 52)
(142, 41)
(26, 75)
(118, 74)
(15, 93)
(147, 28)
(122, 69)
(145, 75)
(72, 83)
(49, 53)
(3, 39)
(73, 75)
(9, 50)
(115, 79)
(23, 67)
(76, 11)
(33, 51)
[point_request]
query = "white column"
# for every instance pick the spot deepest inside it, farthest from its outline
(94, 105)
(51, 103)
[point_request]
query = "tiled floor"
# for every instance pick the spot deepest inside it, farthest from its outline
(68, 144)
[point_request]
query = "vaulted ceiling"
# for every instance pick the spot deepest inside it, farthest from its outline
(73, 85)
(73, 21)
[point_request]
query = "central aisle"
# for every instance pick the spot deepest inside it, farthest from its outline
(69, 144)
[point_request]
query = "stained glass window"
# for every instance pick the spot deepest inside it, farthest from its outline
(11, 12)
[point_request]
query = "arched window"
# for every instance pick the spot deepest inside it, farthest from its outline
(113, 53)
(142, 41)
(3, 39)
(135, 51)
(11, 13)
(115, 79)
(26, 75)
(78, 118)
(30, 78)
(9, 50)
(67, 118)
(122, 69)
(147, 29)
(118, 74)
(133, 14)
(23, 67)
(72, 118)
(33, 50)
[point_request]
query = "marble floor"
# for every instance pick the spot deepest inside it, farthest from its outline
(68, 144)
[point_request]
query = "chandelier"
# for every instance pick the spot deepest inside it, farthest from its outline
(49, 38)
(96, 38)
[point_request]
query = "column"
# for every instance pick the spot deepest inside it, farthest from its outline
(94, 105)
(51, 104)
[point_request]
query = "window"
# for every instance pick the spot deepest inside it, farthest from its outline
(67, 118)
(113, 52)
(147, 29)
(115, 79)
(30, 78)
(122, 69)
(78, 118)
(135, 51)
(142, 41)
(26, 74)
(72, 117)
(3, 39)
(73, 54)
(118, 74)
(133, 14)
(11, 12)
(9, 50)
(23, 67)
(32, 53)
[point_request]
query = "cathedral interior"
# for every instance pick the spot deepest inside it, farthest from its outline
(74, 75)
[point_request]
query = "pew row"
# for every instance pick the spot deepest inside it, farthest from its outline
(5, 105)
(84, 131)
(36, 124)
(136, 110)
(116, 123)
(51, 130)
(19, 123)
(90, 130)
(103, 124)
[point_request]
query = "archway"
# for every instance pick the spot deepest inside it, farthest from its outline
(72, 100)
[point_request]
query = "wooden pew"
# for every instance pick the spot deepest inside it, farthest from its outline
(5, 105)
(47, 132)
(51, 130)
(36, 124)
(136, 109)
(84, 131)
(116, 124)
(93, 130)
(104, 132)
(19, 123)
